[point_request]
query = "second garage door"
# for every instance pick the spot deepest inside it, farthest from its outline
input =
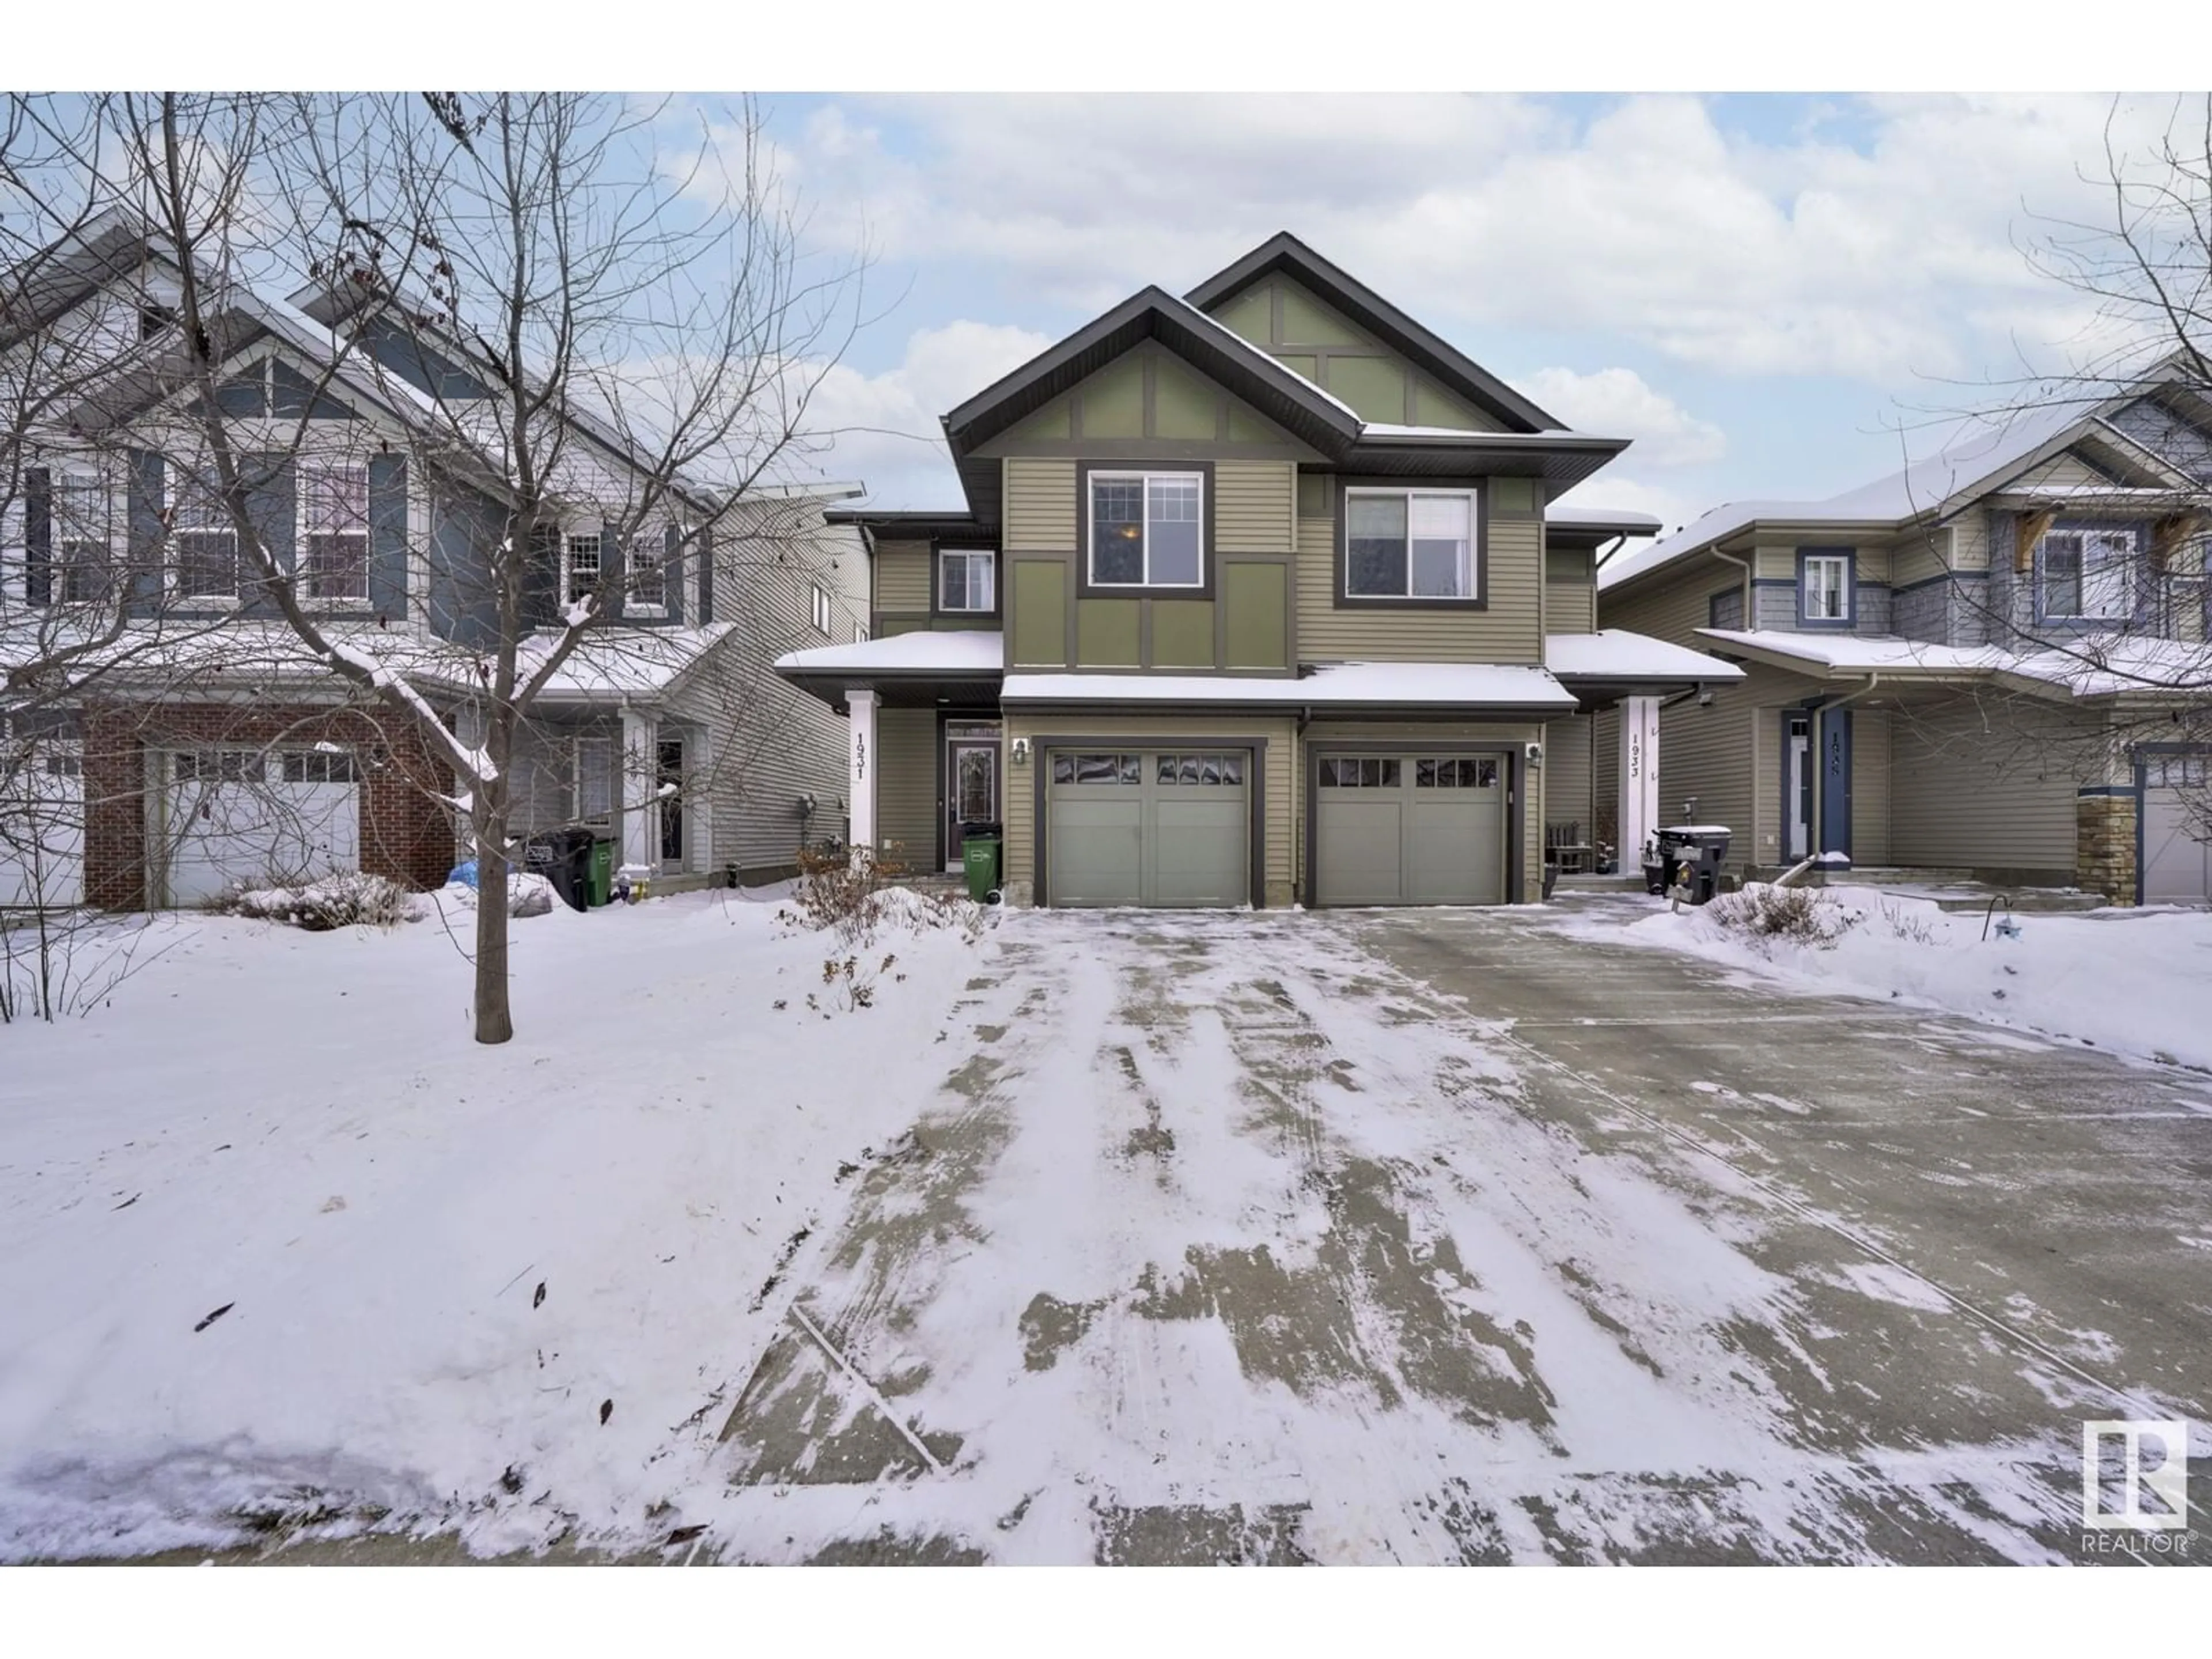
(1149, 827)
(1409, 830)
(2176, 861)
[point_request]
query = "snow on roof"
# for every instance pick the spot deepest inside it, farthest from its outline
(1569, 516)
(1862, 653)
(1391, 430)
(1429, 684)
(977, 651)
(2094, 667)
(1973, 458)
(618, 661)
(1616, 654)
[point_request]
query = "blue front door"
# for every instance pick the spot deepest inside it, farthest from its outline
(1835, 763)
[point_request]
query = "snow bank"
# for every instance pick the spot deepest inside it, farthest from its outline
(2131, 981)
(308, 1257)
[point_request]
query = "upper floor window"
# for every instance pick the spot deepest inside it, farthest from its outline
(821, 608)
(334, 531)
(84, 533)
(966, 581)
(580, 560)
(203, 542)
(2088, 576)
(1409, 545)
(1824, 587)
(1147, 529)
(649, 571)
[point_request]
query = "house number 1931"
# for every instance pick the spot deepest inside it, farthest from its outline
(859, 755)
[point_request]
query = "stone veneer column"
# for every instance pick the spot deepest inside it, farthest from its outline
(2105, 844)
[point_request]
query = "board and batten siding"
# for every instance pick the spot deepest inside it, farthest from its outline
(906, 784)
(1508, 631)
(1973, 787)
(1129, 732)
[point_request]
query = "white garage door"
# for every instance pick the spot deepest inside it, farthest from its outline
(2177, 821)
(42, 828)
(257, 819)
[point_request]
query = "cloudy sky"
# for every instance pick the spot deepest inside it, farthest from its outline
(1770, 295)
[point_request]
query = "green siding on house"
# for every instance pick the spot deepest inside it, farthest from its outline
(1508, 631)
(1255, 597)
(1375, 386)
(902, 577)
(1433, 406)
(1184, 405)
(1113, 400)
(1182, 634)
(1037, 613)
(906, 783)
(1567, 774)
(1986, 787)
(1106, 633)
(1255, 507)
(1040, 514)
(1307, 321)
(1570, 595)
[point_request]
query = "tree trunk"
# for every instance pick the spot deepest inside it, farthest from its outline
(495, 1019)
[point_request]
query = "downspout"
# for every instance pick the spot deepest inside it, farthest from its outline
(1750, 622)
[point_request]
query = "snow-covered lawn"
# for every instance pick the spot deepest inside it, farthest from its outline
(2131, 981)
(275, 1234)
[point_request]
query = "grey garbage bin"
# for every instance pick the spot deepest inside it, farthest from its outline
(563, 857)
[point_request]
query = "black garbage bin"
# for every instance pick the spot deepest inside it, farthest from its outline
(563, 857)
(1690, 856)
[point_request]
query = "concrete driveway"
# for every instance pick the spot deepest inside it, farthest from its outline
(1440, 1238)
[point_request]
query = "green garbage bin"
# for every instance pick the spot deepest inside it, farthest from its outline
(602, 870)
(979, 858)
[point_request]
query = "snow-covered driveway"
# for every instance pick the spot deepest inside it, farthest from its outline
(1230, 1238)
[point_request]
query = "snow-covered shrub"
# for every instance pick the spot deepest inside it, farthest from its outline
(1796, 915)
(1904, 923)
(339, 901)
(847, 895)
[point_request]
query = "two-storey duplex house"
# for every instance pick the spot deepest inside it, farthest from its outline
(171, 735)
(1981, 662)
(1253, 601)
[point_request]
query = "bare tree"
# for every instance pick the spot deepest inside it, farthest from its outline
(567, 318)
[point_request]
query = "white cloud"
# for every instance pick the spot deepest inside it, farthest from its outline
(1615, 403)
(1796, 254)
(884, 428)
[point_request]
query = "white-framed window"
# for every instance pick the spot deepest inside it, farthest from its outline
(83, 536)
(2089, 576)
(579, 565)
(859, 633)
(646, 573)
(203, 541)
(1147, 529)
(316, 766)
(1823, 587)
(1409, 545)
(334, 533)
(820, 605)
(967, 581)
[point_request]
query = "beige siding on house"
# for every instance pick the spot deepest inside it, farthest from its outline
(1039, 512)
(903, 578)
(1675, 607)
(1869, 787)
(2060, 471)
(1984, 785)
(1920, 557)
(1605, 780)
(906, 783)
(1255, 507)
(1567, 774)
(1507, 632)
(1706, 759)
(1569, 605)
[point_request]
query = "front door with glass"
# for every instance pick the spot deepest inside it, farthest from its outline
(972, 788)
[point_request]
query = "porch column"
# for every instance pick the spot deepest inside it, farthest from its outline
(1640, 777)
(861, 797)
(641, 813)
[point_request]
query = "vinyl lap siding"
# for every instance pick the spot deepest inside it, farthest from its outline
(1705, 754)
(1507, 632)
(1255, 507)
(906, 783)
(1570, 606)
(903, 578)
(1039, 513)
(1969, 789)
(1869, 787)
(1567, 774)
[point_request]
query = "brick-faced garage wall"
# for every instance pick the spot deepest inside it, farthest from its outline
(404, 833)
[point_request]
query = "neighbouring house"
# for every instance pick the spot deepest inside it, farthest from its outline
(167, 735)
(1259, 596)
(1993, 660)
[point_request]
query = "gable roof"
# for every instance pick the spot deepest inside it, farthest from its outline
(1456, 370)
(1980, 461)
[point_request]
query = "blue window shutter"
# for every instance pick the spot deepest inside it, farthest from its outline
(148, 538)
(671, 570)
(272, 508)
(387, 535)
(38, 535)
(702, 553)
